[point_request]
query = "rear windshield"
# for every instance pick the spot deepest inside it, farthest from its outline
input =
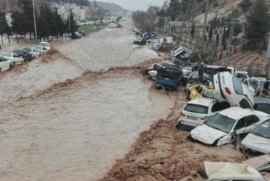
(262, 107)
(238, 87)
(263, 130)
(220, 122)
(196, 108)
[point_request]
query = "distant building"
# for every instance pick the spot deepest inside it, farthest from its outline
(9, 19)
(80, 13)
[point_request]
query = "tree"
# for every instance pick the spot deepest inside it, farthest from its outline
(3, 25)
(245, 5)
(173, 9)
(258, 22)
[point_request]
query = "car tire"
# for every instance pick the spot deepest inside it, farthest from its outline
(178, 125)
(0, 70)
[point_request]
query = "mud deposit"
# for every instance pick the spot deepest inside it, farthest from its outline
(164, 154)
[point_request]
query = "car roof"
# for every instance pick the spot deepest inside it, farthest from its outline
(258, 100)
(202, 101)
(241, 71)
(259, 78)
(227, 170)
(236, 112)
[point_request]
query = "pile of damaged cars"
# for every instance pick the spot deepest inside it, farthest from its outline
(170, 74)
(255, 169)
(226, 112)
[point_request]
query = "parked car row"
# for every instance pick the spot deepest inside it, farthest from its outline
(19, 56)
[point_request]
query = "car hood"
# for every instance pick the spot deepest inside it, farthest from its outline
(206, 134)
(257, 143)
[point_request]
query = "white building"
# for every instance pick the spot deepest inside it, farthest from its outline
(80, 13)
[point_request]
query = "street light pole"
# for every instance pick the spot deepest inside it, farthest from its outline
(35, 23)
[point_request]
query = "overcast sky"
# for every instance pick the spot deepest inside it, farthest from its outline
(135, 4)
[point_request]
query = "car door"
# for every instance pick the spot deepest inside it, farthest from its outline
(251, 122)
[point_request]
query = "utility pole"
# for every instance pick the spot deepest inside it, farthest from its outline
(94, 12)
(35, 23)
(268, 56)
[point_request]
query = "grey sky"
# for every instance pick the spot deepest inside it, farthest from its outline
(135, 4)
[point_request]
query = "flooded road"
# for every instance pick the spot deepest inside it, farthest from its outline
(107, 48)
(75, 130)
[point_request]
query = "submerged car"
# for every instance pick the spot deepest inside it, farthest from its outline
(32, 51)
(196, 111)
(224, 126)
(258, 140)
(226, 171)
(140, 41)
(261, 163)
(194, 77)
(233, 90)
(45, 45)
(5, 64)
(25, 55)
(13, 57)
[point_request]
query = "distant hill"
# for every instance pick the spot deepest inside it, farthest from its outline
(114, 8)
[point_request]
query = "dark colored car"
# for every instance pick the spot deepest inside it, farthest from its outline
(163, 64)
(262, 104)
(148, 35)
(24, 54)
(169, 77)
(177, 61)
(140, 41)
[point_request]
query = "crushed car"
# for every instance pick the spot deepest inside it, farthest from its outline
(140, 41)
(227, 171)
(169, 78)
(261, 163)
(198, 90)
(258, 140)
(196, 111)
(262, 104)
(233, 90)
(226, 125)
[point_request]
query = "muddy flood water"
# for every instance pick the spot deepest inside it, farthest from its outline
(75, 130)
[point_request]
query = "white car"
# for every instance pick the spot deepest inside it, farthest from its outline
(242, 75)
(45, 45)
(41, 49)
(5, 64)
(223, 127)
(195, 112)
(176, 50)
(232, 90)
(226, 171)
(13, 57)
(258, 140)
(32, 51)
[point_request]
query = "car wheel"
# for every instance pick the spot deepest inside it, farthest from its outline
(0, 70)
(178, 125)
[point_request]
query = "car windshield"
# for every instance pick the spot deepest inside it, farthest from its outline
(6, 54)
(196, 108)
(220, 122)
(44, 44)
(263, 130)
(18, 51)
(27, 49)
(238, 87)
(262, 107)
